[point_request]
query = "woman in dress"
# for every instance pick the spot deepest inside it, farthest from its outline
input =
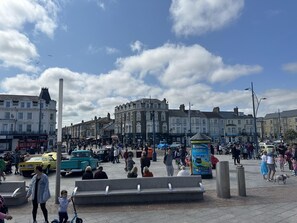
(264, 169)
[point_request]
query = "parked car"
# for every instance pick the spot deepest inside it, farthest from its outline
(162, 145)
(47, 161)
(102, 154)
(175, 145)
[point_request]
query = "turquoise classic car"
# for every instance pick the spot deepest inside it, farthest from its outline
(78, 162)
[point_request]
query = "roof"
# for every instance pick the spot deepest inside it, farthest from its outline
(18, 97)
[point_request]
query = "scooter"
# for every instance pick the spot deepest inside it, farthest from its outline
(75, 219)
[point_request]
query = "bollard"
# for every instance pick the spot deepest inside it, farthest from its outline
(241, 181)
(223, 179)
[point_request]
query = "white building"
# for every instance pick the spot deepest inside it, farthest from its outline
(27, 121)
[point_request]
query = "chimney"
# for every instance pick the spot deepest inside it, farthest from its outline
(182, 107)
(236, 110)
(216, 109)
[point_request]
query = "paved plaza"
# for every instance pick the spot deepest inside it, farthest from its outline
(265, 201)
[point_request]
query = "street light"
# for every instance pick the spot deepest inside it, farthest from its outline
(96, 130)
(255, 111)
(154, 158)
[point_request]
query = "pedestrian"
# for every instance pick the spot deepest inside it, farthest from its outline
(130, 162)
(17, 159)
(100, 174)
(144, 161)
(2, 169)
(125, 155)
(3, 211)
(167, 160)
(88, 174)
(263, 167)
(271, 165)
(63, 206)
(281, 162)
(39, 189)
(133, 173)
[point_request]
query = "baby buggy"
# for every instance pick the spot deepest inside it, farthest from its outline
(8, 167)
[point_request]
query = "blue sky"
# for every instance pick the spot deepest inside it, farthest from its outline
(110, 52)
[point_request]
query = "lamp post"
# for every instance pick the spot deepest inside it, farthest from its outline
(255, 111)
(154, 158)
(96, 131)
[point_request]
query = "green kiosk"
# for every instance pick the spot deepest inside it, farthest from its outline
(200, 156)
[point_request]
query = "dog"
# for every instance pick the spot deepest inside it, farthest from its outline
(281, 178)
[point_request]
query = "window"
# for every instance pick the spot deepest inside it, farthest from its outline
(22, 104)
(35, 103)
(5, 127)
(7, 115)
(29, 115)
(11, 127)
(164, 128)
(138, 116)
(1, 103)
(138, 128)
(239, 122)
(163, 116)
(20, 128)
(29, 128)
(20, 115)
(7, 104)
(28, 104)
(51, 116)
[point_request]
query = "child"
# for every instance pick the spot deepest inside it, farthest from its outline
(63, 206)
(3, 211)
(281, 162)
(264, 169)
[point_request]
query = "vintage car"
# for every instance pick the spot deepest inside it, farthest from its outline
(78, 162)
(102, 154)
(47, 161)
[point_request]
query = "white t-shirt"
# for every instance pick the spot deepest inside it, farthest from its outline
(270, 160)
(264, 158)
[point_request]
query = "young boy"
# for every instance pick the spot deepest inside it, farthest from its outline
(63, 206)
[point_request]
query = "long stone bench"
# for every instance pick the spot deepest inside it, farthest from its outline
(139, 190)
(14, 192)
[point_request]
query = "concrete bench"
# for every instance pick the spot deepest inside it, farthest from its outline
(139, 190)
(14, 192)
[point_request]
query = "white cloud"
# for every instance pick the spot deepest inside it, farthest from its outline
(290, 67)
(137, 46)
(180, 66)
(176, 72)
(111, 50)
(193, 17)
(16, 48)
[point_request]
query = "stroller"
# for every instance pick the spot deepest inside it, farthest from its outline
(8, 167)
(75, 219)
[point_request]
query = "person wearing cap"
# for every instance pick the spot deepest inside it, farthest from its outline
(100, 174)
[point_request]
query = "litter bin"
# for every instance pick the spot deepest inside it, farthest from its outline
(138, 153)
(150, 153)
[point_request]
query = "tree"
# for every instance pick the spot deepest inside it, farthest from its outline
(290, 135)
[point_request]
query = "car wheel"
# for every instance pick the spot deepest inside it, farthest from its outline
(63, 174)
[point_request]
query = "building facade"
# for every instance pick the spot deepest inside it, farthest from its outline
(27, 121)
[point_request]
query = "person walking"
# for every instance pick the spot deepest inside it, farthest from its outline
(271, 166)
(17, 159)
(168, 162)
(144, 161)
(39, 189)
(2, 168)
(263, 167)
